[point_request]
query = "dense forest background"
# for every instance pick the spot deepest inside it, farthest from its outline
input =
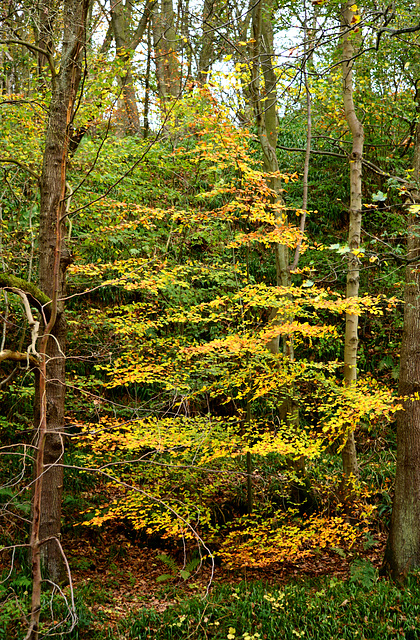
(210, 320)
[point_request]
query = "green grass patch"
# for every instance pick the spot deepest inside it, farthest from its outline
(326, 609)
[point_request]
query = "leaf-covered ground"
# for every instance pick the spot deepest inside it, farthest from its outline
(119, 578)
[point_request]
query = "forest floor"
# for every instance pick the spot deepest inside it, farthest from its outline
(122, 577)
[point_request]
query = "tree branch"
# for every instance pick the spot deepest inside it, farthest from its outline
(35, 296)
(17, 356)
(33, 47)
(20, 164)
(141, 27)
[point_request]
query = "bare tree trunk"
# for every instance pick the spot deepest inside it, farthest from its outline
(349, 456)
(47, 13)
(126, 42)
(266, 119)
(122, 40)
(54, 259)
(305, 183)
(207, 41)
(146, 125)
(402, 552)
(165, 49)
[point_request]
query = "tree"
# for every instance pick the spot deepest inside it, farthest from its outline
(127, 40)
(54, 258)
(349, 12)
(402, 553)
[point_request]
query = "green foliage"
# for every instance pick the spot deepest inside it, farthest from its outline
(363, 573)
(175, 572)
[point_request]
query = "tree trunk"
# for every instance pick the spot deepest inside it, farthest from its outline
(126, 42)
(122, 42)
(146, 125)
(54, 259)
(403, 546)
(349, 456)
(266, 119)
(44, 34)
(165, 50)
(207, 42)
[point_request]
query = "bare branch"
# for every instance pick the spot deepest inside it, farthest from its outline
(17, 356)
(21, 165)
(34, 48)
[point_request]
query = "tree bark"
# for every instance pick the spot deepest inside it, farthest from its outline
(207, 42)
(165, 50)
(54, 259)
(402, 551)
(119, 21)
(47, 12)
(349, 456)
(266, 121)
(126, 42)
(265, 112)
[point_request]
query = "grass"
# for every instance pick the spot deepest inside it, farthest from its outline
(363, 607)
(328, 609)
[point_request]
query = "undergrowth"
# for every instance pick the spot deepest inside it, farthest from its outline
(362, 607)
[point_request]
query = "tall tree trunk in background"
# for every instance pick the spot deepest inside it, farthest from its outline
(54, 259)
(120, 28)
(349, 456)
(165, 50)
(402, 553)
(126, 43)
(207, 42)
(47, 13)
(265, 113)
(146, 124)
(266, 119)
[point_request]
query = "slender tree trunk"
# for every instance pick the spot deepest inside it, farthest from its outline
(146, 125)
(207, 42)
(349, 456)
(169, 41)
(54, 259)
(266, 120)
(47, 12)
(126, 42)
(159, 57)
(305, 177)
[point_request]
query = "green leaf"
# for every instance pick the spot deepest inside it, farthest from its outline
(170, 562)
(380, 196)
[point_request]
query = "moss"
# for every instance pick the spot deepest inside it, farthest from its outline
(35, 295)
